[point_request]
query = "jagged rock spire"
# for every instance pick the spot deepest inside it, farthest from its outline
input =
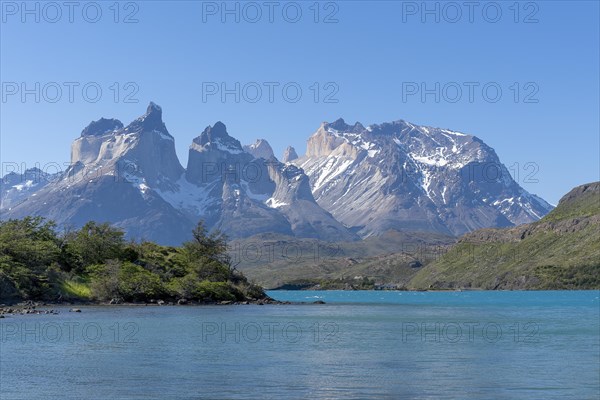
(289, 154)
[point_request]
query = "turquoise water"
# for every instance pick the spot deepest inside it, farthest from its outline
(360, 345)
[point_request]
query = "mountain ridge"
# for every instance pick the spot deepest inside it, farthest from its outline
(385, 176)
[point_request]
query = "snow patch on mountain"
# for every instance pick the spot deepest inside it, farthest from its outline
(273, 203)
(225, 147)
(27, 185)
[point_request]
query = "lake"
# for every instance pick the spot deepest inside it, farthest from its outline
(359, 345)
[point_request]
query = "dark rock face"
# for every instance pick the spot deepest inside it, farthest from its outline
(340, 125)
(102, 127)
(151, 121)
(216, 155)
(218, 137)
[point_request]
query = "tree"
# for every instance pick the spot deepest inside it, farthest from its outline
(212, 245)
(207, 254)
(28, 247)
(95, 243)
(30, 242)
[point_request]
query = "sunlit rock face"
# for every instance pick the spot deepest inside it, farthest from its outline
(260, 149)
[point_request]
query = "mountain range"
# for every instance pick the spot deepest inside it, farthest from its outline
(353, 182)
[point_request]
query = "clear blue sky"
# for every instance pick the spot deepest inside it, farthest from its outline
(371, 54)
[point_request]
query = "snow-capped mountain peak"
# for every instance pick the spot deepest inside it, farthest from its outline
(419, 176)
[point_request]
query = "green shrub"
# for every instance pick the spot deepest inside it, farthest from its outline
(139, 284)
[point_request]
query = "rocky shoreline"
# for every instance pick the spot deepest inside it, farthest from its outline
(46, 308)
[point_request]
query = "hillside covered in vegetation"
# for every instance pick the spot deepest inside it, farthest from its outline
(96, 263)
(560, 251)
